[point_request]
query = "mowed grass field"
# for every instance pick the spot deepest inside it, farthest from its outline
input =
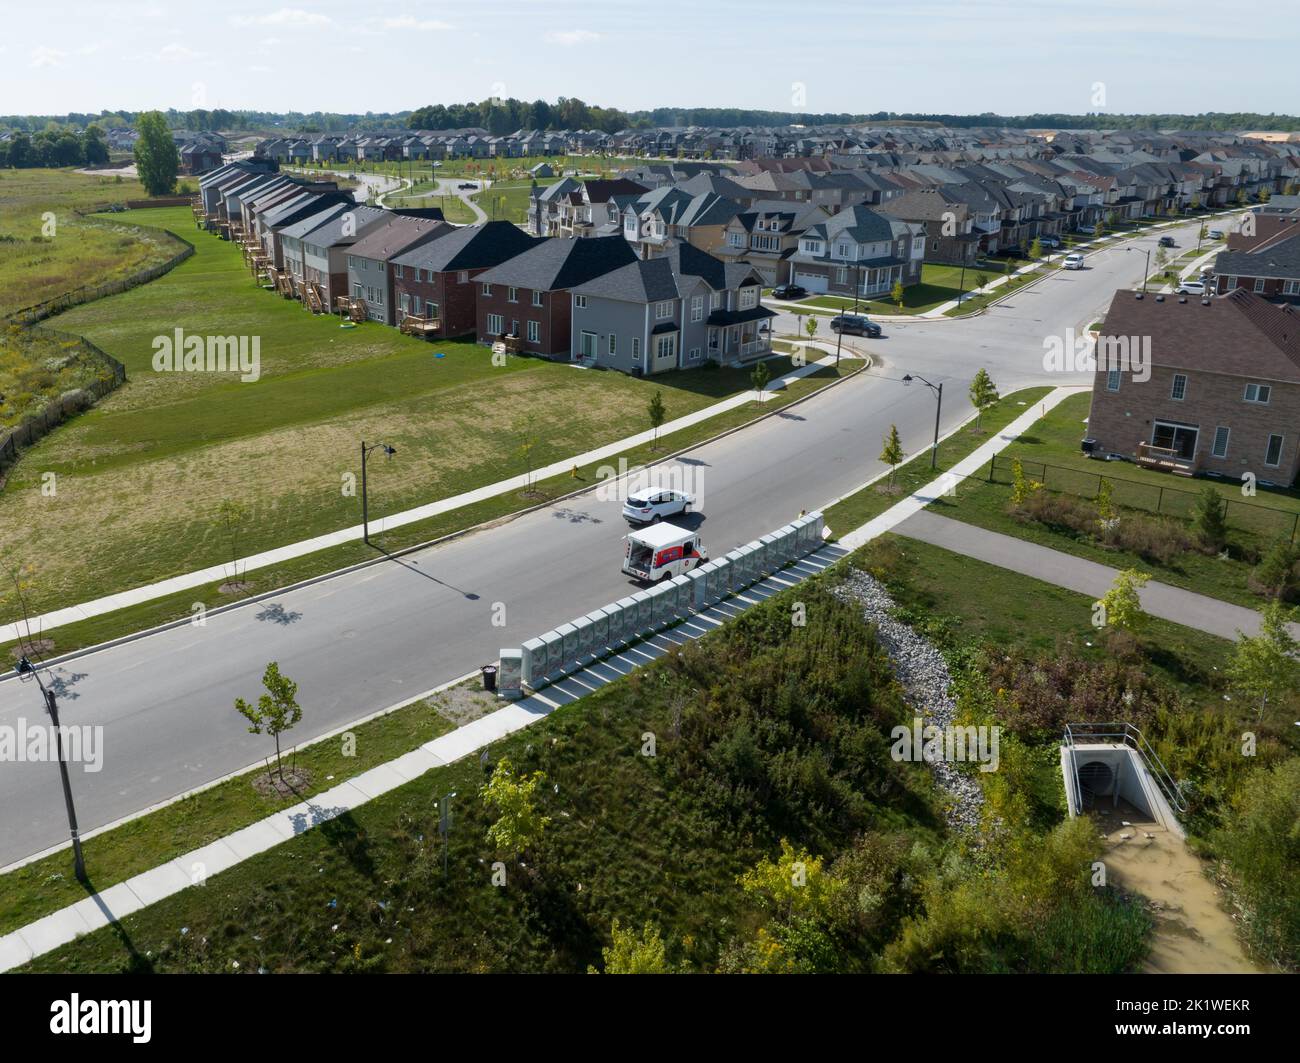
(140, 479)
(36, 264)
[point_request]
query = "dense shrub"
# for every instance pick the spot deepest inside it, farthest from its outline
(1153, 539)
(1276, 574)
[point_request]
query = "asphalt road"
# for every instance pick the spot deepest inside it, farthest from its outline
(361, 642)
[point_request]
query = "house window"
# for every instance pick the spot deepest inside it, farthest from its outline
(841, 250)
(352, 262)
(580, 301)
(398, 272)
(748, 297)
(406, 303)
(1259, 284)
(495, 324)
(1273, 453)
(462, 277)
(1179, 390)
(1220, 448)
(841, 275)
(1257, 393)
(612, 342)
(537, 298)
(697, 308)
(1112, 380)
(430, 309)
(534, 332)
(715, 300)
(636, 348)
(512, 295)
(666, 347)
(1291, 287)
(695, 354)
(663, 309)
(487, 289)
(736, 239)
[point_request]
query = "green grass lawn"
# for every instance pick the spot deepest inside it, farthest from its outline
(37, 263)
(141, 476)
(858, 508)
(1138, 491)
(508, 200)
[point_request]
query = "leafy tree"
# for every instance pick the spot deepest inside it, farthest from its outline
(20, 151)
(794, 884)
(759, 378)
(1275, 573)
(276, 711)
(1035, 250)
(981, 279)
(982, 395)
(156, 158)
(896, 294)
(810, 326)
(94, 147)
(633, 954)
(1263, 667)
(520, 820)
(1105, 507)
(892, 454)
(1121, 603)
(657, 413)
(232, 515)
(1210, 519)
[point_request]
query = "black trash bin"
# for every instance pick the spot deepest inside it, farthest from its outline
(489, 677)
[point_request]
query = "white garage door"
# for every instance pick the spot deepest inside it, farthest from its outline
(814, 282)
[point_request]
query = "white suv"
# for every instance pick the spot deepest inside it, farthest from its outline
(1191, 288)
(652, 504)
(1074, 261)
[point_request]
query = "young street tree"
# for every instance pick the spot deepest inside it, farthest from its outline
(656, 412)
(1210, 519)
(1263, 667)
(232, 515)
(982, 395)
(896, 293)
(759, 378)
(520, 821)
(810, 326)
(156, 158)
(1122, 608)
(892, 454)
(276, 711)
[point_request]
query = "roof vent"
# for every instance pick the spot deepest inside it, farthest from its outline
(1182, 298)
(1137, 295)
(1205, 302)
(1160, 298)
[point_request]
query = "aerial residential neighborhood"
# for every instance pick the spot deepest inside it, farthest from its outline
(779, 518)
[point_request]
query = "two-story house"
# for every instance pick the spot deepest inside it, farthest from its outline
(526, 298)
(324, 249)
(860, 250)
(1219, 393)
(370, 275)
(767, 235)
(438, 280)
(673, 311)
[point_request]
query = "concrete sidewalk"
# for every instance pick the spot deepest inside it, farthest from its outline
(378, 525)
(1197, 611)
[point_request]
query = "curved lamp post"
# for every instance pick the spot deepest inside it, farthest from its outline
(938, 407)
(365, 512)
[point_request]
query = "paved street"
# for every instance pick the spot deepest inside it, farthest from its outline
(369, 639)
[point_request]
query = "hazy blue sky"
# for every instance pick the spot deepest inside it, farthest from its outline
(826, 55)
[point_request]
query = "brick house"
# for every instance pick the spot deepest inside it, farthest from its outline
(1271, 268)
(1223, 395)
(437, 280)
(527, 297)
(370, 273)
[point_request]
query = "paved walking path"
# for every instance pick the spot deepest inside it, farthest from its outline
(378, 525)
(194, 867)
(1197, 611)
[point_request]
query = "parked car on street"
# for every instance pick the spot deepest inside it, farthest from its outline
(789, 291)
(1215, 234)
(1073, 261)
(651, 504)
(1088, 230)
(855, 325)
(1191, 288)
(1167, 241)
(1049, 241)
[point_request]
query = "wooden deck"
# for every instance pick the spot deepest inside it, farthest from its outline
(425, 327)
(1164, 459)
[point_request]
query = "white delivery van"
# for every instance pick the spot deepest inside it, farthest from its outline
(1074, 261)
(662, 551)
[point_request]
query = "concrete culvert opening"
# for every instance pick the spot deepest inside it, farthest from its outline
(1096, 779)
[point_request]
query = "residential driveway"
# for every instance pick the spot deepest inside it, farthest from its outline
(1079, 574)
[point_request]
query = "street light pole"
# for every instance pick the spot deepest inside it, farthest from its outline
(938, 410)
(25, 667)
(365, 509)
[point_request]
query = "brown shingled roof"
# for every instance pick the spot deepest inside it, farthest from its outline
(1239, 334)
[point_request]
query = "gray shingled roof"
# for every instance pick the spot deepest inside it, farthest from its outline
(642, 281)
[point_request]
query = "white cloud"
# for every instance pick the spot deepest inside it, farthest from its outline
(568, 38)
(177, 53)
(409, 22)
(44, 56)
(286, 16)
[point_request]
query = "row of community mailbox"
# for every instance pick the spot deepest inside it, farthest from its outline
(551, 656)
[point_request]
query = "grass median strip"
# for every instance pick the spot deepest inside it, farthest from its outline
(856, 509)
